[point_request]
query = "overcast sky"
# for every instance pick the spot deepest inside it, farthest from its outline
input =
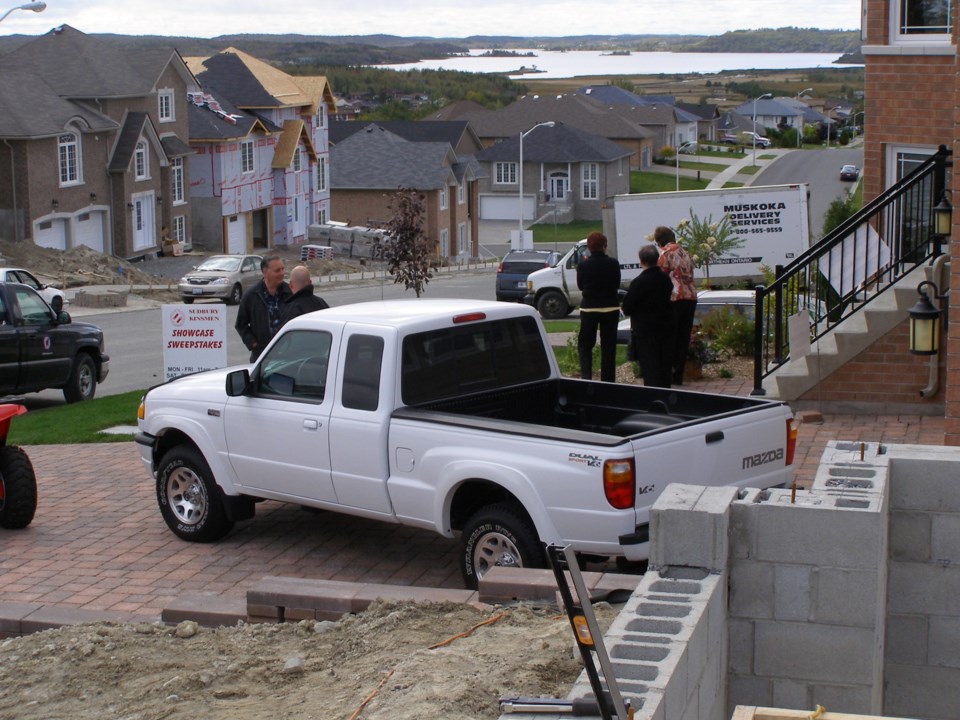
(434, 18)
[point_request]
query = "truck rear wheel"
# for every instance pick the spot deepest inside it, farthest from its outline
(189, 498)
(552, 305)
(498, 535)
(82, 384)
(18, 488)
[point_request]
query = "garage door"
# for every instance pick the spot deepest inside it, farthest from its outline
(51, 233)
(88, 229)
(504, 207)
(237, 234)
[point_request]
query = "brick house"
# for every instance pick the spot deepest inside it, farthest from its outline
(567, 173)
(97, 145)
(368, 167)
(261, 160)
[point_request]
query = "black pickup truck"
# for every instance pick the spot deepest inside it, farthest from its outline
(41, 347)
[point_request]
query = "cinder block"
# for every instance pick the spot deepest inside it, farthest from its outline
(741, 644)
(823, 535)
(792, 695)
(853, 699)
(792, 589)
(921, 692)
(751, 589)
(743, 527)
(906, 639)
(910, 536)
(710, 687)
(944, 641)
(687, 535)
(922, 589)
(925, 484)
(205, 609)
(815, 653)
(945, 538)
(748, 690)
(847, 597)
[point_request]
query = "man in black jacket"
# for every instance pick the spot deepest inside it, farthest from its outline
(651, 319)
(260, 313)
(303, 300)
(598, 278)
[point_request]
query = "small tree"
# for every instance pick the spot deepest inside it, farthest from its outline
(705, 240)
(406, 249)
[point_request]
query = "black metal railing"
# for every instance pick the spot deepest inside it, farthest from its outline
(852, 265)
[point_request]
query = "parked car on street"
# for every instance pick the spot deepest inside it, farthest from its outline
(752, 137)
(514, 268)
(688, 148)
(221, 277)
(849, 172)
(24, 277)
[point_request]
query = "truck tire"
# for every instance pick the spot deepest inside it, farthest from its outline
(82, 384)
(18, 488)
(498, 535)
(236, 292)
(552, 305)
(189, 498)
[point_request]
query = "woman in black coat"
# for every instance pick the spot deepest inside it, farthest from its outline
(647, 303)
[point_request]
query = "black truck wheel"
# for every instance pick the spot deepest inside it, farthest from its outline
(498, 535)
(82, 384)
(189, 499)
(18, 488)
(552, 305)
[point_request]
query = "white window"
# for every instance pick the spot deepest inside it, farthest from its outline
(321, 115)
(297, 160)
(68, 149)
(321, 174)
(246, 157)
(506, 173)
(620, 167)
(141, 162)
(322, 216)
(179, 230)
(443, 198)
(461, 193)
(589, 174)
(919, 21)
(444, 242)
(165, 107)
(462, 238)
(176, 178)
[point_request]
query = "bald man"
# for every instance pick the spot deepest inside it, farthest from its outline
(303, 300)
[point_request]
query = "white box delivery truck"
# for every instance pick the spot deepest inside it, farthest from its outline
(772, 220)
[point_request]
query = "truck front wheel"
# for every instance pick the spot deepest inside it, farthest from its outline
(189, 498)
(82, 384)
(498, 535)
(18, 488)
(552, 305)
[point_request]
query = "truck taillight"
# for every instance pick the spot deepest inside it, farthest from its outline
(619, 483)
(500, 268)
(791, 440)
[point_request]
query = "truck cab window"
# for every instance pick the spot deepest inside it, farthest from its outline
(361, 372)
(296, 367)
(33, 310)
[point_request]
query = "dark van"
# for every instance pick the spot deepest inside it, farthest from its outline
(514, 268)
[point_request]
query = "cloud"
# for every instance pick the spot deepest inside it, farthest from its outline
(435, 18)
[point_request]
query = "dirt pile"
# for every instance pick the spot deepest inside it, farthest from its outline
(75, 267)
(391, 656)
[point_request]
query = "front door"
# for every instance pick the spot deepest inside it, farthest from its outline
(559, 185)
(144, 235)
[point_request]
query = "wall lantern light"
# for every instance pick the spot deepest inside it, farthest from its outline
(54, 203)
(925, 322)
(943, 216)
(93, 197)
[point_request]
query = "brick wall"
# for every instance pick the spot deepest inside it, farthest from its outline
(883, 373)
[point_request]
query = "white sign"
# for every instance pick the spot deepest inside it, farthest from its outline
(858, 259)
(194, 339)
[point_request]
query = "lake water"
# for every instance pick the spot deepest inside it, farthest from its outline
(575, 63)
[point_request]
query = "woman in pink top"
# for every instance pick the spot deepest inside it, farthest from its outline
(675, 262)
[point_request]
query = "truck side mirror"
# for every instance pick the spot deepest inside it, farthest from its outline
(63, 317)
(237, 382)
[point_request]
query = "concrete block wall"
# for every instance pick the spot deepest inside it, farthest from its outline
(808, 588)
(922, 656)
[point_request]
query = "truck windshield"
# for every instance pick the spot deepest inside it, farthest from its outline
(471, 358)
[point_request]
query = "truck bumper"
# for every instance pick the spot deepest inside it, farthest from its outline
(636, 545)
(530, 299)
(145, 444)
(104, 368)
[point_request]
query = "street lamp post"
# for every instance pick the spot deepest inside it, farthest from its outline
(765, 95)
(39, 6)
(800, 125)
(855, 120)
(549, 123)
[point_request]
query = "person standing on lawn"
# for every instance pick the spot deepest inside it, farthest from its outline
(676, 263)
(598, 278)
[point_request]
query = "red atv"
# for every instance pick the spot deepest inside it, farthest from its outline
(18, 484)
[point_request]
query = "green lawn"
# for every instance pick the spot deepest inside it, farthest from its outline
(749, 170)
(77, 423)
(568, 233)
(646, 182)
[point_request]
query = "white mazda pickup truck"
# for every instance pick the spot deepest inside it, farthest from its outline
(449, 415)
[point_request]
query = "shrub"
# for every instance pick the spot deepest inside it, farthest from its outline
(728, 331)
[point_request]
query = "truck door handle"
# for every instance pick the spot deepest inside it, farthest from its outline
(310, 424)
(715, 436)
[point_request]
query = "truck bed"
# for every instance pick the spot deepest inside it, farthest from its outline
(564, 408)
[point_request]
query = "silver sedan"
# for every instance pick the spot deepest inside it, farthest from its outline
(221, 277)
